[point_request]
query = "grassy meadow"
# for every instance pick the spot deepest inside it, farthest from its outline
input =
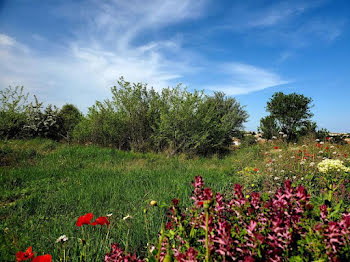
(45, 186)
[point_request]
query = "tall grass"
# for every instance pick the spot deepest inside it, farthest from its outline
(45, 186)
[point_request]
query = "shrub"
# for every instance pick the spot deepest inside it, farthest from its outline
(138, 118)
(13, 103)
(69, 116)
(268, 125)
(41, 123)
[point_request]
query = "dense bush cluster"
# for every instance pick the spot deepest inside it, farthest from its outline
(175, 120)
(20, 119)
(135, 118)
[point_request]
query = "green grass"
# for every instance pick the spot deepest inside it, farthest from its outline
(45, 186)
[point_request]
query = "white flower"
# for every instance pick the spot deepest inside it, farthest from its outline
(62, 239)
(331, 165)
(303, 145)
(284, 136)
(321, 142)
(279, 150)
(302, 178)
(312, 163)
(281, 133)
(276, 178)
(274, 137)
(292, 157)
(109, 215)
(302, 162)
(331, 147)
(127, 217)
(320, 152)
(317, 140)
(282, 171)
(294, 177)
(280, 156)
(334, 153)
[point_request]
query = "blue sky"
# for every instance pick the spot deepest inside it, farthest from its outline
(74, 51)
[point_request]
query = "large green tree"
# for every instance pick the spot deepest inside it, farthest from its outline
(292, 112)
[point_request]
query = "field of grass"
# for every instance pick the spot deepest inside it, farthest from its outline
(45, 186)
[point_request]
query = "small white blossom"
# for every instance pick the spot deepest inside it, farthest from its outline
(281, 133)
(302, 162)
(127, 217)
(320, 152)
(331, 147)
(274, 137)
(276, 178)
(312, 163)
(284, 136)
(282, 171)
(280, 156)
(109, 215)
(334, 153)
(321, 142)
(62, 239)
(294, 177)
(292, 157)
(317, 140)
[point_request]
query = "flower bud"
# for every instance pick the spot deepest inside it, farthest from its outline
(153, 203)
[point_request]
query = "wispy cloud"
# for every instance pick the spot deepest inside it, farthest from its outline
(111, 39)
(243, 79)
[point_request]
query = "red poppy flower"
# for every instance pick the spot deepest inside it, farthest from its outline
(328, 138)
(84, 220)
(22, 256)
(318, 145)
(276, 147)
(256, 169)
(200, 203)
(100, 221)
(44, 258)
(327, 148)
(345, 155)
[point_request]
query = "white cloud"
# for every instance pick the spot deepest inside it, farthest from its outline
(243, 79)
(107, 46)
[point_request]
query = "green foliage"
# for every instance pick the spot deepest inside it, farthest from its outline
(292, 112)
(41, 123)
(179, 124)
(69, 116)
(269, 127)
(140, 119)
(13, 103)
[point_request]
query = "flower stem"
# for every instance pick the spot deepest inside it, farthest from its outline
(206, 235)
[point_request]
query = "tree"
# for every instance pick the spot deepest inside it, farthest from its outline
(292, 112)
(269, 127)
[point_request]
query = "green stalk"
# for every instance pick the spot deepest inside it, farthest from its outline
(206, 235)
(161, 238)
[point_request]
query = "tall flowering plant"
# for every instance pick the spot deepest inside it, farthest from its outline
(246, 228)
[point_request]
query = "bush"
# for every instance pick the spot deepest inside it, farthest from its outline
(13, 103)
(40, 123)
(138, 118)
(69, 117)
